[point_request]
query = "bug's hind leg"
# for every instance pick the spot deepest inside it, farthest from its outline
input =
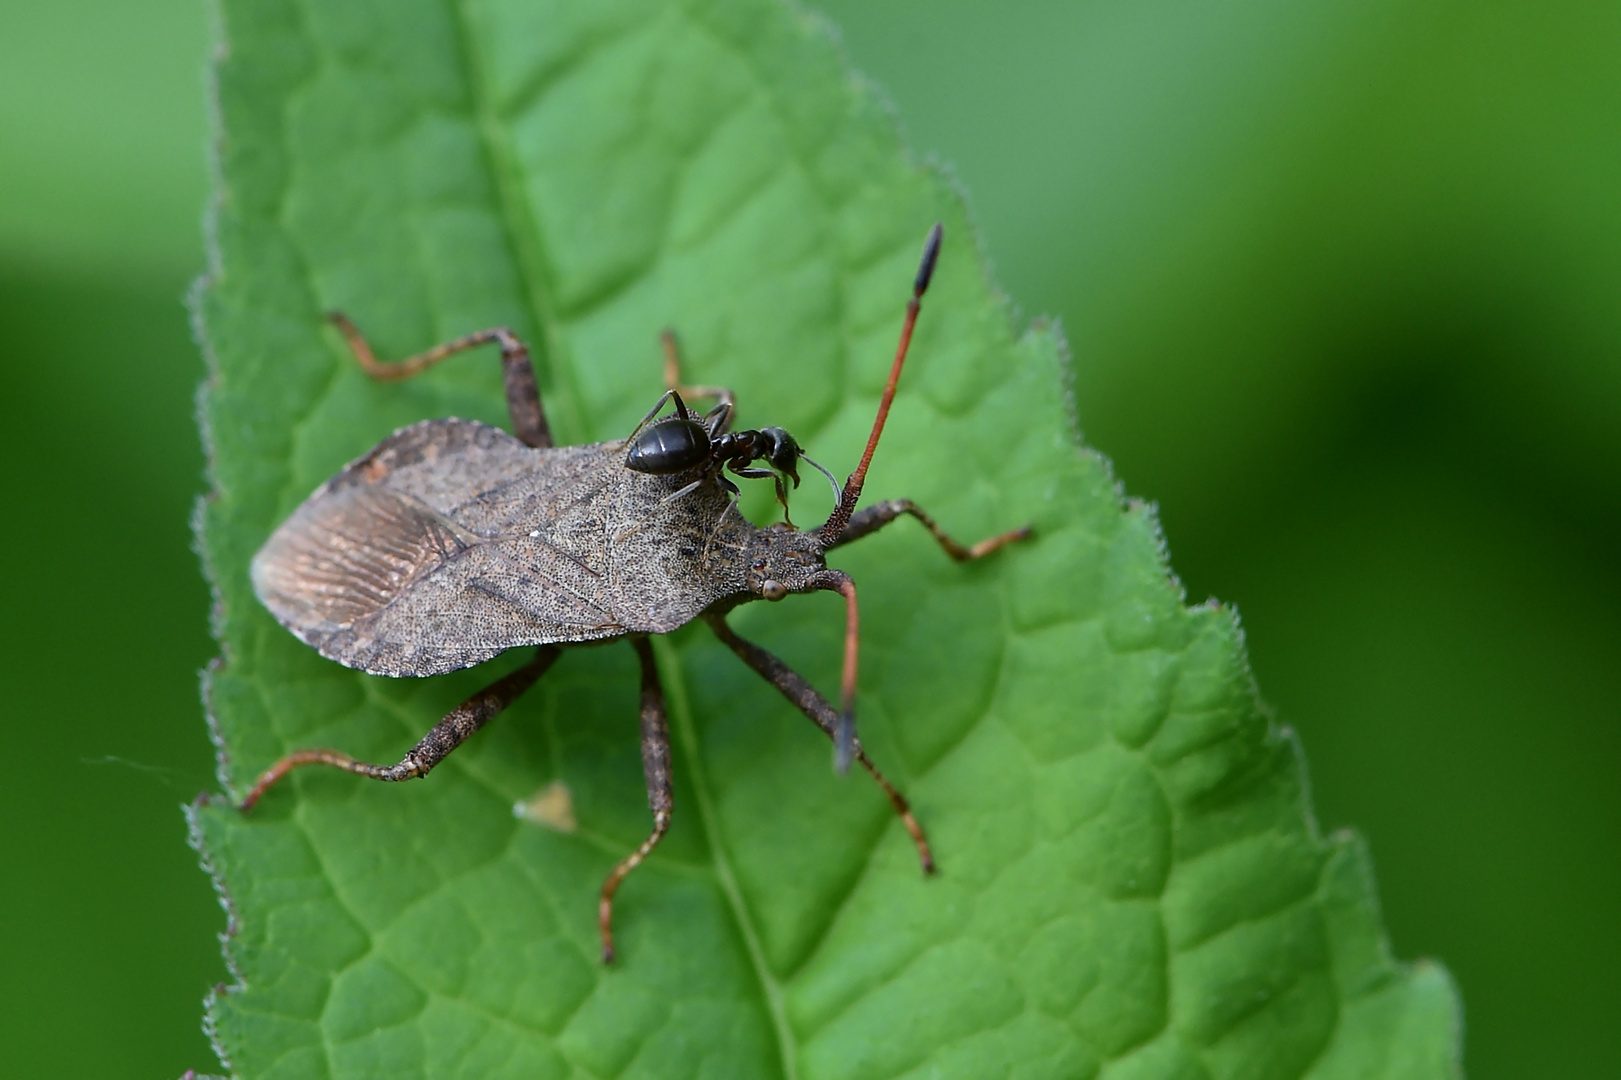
(660, 792)
(719, 419)
(878, 515)
(446, 735)
(793, 686)
(517, 373)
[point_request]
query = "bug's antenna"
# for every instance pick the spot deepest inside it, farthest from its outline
(844, 727)
(844, 736)
(833, 528)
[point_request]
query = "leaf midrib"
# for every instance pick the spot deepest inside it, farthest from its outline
(672, 676)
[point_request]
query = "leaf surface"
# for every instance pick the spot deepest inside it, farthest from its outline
(1132, 883)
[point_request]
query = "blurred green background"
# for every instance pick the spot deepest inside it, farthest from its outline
(1343, 284)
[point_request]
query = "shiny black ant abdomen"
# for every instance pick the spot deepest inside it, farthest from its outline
(672, 445)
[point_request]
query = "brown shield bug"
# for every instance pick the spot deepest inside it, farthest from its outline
(452, 541)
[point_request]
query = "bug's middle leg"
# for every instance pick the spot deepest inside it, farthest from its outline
(878, 515)
(517, 373)
(802, 694)
(660, 792)
(719, 419)
(446, 735)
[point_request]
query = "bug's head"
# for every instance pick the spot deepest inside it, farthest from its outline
(830, 531)
(783, 561)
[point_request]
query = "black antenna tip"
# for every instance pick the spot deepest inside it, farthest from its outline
(931, 254)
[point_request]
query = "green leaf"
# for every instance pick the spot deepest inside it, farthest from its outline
(1132, 883)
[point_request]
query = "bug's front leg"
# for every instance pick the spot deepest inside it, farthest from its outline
(517, 373)
(878, 515)
(660, 792)
(802, 694)
(446, 735)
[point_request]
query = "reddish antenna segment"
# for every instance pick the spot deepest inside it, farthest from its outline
(833, 528)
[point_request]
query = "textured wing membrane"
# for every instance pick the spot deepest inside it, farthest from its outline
(347, 555)
(448, 543)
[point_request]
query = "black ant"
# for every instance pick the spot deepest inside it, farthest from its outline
(684, 441)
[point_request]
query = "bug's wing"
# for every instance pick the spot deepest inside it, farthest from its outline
(448, 543)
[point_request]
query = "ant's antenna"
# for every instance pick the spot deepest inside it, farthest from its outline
(833, 528)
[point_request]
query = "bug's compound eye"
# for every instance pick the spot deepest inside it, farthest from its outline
(772, 589)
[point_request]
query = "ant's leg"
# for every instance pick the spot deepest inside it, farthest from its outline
(793, 686)
(878, 515)
(721, 416)
(679, 492)
(523, 395)
(660, 793)
(654, 411)
(446, 735)
(672, 497)
(767, 474)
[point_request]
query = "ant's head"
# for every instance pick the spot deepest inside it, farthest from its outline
(781, 451)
